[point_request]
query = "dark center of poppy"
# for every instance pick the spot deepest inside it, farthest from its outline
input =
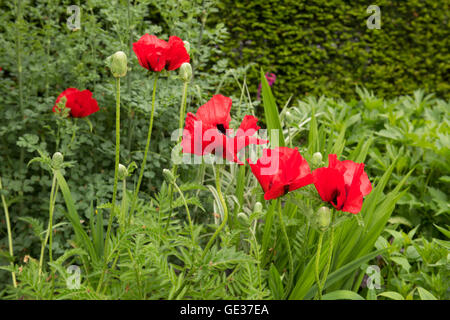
(221, 128)
(334, 197)
(286, 189)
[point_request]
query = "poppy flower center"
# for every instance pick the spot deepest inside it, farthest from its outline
(221, 128)
(286, 189)
(334, 197)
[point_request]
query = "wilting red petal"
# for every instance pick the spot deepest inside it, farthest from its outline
(177, 53)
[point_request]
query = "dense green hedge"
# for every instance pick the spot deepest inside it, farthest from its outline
(324, 47)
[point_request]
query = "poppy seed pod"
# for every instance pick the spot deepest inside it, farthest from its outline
(123, 172)
(118, 64)
(186, 72)
(57, 160)
(324, 218)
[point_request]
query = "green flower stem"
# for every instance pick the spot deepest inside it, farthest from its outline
(48, 235)
(8, 228)
(123, 205)
(225, 213)
(330, 254)
(116, 177)
(319, 248)
(286, 238)
(147, 146)
(191, 227)
(180, 135)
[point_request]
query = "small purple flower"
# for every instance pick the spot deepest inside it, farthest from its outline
(270, 79)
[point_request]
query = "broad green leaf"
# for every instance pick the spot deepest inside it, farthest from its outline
(425, 294)
(392, 295)
(271, 113)
(342, 295)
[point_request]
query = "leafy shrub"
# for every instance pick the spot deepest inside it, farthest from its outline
(325, 47)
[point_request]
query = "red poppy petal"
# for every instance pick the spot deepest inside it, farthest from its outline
(248, 126)
(329, 183)
(177, 53)
(263, 179)
(216, 111)
(151, 52)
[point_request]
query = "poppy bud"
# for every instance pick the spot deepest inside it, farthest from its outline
(317, 159)
(57, 160)
(123, 172)
(168, 176)
(324, 218)
(242, 217)
(289, 117)
(187, 45)
(118, 64)
(258, 207)
(186, 72)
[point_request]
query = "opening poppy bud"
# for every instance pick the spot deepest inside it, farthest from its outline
(187, 45)
(317, 159)
(123, 172)
(186, 72)
(258, 207)
(168, 176)
(324, 218)
(118, 64)
(57, 160)
(242, 217)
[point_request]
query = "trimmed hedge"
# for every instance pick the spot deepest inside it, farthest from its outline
(325, 47)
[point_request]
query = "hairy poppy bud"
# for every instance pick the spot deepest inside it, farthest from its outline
(242, 217)
(123, 172)
(57, 160)
(324, 218)
(258, 207)
(118, 64)
(187, 45)
(168, 176)
(317, 159)
(186, 72)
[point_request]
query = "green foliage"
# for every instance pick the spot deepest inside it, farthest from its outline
(54, 58)
(325, 47)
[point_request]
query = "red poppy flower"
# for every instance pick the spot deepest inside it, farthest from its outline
(80, 103)
(208, 131)
(281, 170)
(155, 54)
(343, 184)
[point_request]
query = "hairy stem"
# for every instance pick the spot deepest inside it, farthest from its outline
(147, 146)
(116, 177)
(48, 235)
(319, 248)
(225, 213)
(286, 239)
(180, 135)
(8, 228)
